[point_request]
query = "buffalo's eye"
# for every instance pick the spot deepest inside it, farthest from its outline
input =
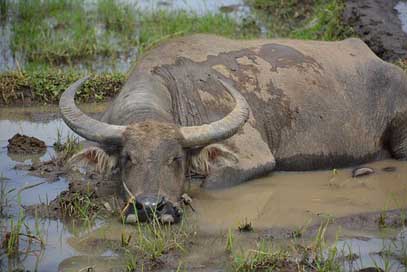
(125, 158)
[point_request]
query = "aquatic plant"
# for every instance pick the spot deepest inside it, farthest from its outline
(263, 257)
(229, 240)
(80, 206)
(145, 244)
(65, 31)
(46, 85)
(310, 19)
(68, 147)
(325, 23)
(4, 196)
(10, 240)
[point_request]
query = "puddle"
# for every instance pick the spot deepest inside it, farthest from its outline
(373, 252)
(280, 200)
(401, 8)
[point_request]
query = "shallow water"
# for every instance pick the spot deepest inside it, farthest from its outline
(281, 199)
(401, 8)
(294, 198)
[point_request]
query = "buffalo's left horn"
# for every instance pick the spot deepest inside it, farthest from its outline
(82, 124)
(196, 136)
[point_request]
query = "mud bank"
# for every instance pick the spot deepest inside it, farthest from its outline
(377, 23)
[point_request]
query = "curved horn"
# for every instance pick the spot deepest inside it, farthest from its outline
(196, 136)
(82, 124)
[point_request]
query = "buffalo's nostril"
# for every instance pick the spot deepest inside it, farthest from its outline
(149, 207)
(148, 202)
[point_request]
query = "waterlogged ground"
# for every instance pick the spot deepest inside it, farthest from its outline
(274, 205)
(122, 60)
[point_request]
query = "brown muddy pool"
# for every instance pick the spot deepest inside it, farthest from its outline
(280, 200)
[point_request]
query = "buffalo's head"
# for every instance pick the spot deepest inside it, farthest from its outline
(153, 156)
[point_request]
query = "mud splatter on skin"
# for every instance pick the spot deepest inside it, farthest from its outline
(294, 96)
(271, 107)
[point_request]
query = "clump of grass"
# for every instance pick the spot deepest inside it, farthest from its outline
(159, 25)
(229, 241)
(263, 258)
(10, 241)
(310, 19)
(117, 17)
(283, 16)
(4, 196)
(319, 256)
(79, 206)
(67, 148)
(64, 31)
(147, 243)
(325, 23)
(46, 85)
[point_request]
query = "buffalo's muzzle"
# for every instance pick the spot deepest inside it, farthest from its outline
(152, 207)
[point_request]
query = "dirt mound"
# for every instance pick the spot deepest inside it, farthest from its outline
(23, 144)
(376, 22)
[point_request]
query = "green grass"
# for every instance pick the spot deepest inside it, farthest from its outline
(46, 85)
(292, 255)
(263, 258)
(160, 25)
(146, 243)
(66, 149)
(51, 33)
(57, 32)
(309, 19)
(62, 31)
(10, 239)
(4, 196)
(325, 24)
(80, 206)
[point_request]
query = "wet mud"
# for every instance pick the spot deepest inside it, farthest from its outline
(22, 144)
(377, 23)
(279, 208)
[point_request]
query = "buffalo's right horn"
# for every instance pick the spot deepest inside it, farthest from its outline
(196, 136)
(82, 124)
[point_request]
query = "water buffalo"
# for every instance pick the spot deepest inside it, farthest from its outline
(231, 110)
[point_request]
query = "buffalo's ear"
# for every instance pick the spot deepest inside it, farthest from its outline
(212, 157)
(96, 158)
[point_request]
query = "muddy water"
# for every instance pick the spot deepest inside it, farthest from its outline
(279, 200)
(286, 199)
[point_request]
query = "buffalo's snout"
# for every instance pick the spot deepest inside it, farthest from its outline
(152, 207)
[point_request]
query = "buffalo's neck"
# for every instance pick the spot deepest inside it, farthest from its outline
(142, 98)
